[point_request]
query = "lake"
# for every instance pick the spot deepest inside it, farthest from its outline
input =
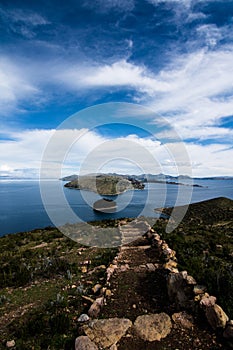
(22, 208)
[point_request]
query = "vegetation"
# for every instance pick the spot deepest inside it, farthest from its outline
(204, 246)
(105, 184)
(44, 279)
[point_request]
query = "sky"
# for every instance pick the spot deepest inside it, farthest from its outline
(172, 57)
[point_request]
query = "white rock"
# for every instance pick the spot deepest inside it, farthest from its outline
(10, 344)
(83, 318)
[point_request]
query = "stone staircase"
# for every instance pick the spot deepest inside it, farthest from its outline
(133, 230)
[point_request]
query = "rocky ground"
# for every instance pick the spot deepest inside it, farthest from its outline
(138, 288)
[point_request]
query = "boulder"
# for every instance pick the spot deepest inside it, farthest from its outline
(216, 316)
(152, 327)
(96, 307)
(183, 320)
(107, 332)
(198, 289)
(207, 301)
(84, 343)
(228, 332)
(180, 289)
(171, 265)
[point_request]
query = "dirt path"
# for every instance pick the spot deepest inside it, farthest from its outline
(139, 287)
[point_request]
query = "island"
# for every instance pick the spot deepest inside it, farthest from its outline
(105, 205)
(105, 185)
(137, 181)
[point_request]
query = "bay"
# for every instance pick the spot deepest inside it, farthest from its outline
(22, 209)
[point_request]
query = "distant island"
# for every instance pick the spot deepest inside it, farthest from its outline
(113, 184)
(104, 184)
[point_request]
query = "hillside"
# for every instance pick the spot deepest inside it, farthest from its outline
(105, 184)
(204, 245)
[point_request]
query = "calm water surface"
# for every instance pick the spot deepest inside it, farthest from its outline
(22, 209)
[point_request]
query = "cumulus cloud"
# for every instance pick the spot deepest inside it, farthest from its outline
(82, 150)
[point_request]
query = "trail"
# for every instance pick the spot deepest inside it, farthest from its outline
(138, 287)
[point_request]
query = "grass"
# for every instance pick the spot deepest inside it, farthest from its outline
(41, 287)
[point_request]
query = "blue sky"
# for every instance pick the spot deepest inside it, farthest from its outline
(172, 56)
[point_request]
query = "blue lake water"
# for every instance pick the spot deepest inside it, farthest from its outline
(22, 208)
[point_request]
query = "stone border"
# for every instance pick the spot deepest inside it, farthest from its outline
(182, 290)
(187, 294)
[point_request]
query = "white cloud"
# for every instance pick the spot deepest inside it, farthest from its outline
(192, 92)
(15, 85)
(91, 152)
(118, 74)
(211, 160)
(211, 33)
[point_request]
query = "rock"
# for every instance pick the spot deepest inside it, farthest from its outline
(228, 332)
(199, 289)
(83, 318)
(216, 316)
(85, 297)
(190, 280)
(124, 268)
(207, 301)
(219, 248)
(96, 288)
(110, 271)
(183, 319)
(153, 327)
(96, 307)
(84, 269)
(84, 343)
(10, 343)
(150, 267)
(108, 293)
(107, 332)
(180, 289)
(113, 347)
(171, 265)
(166, 252)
